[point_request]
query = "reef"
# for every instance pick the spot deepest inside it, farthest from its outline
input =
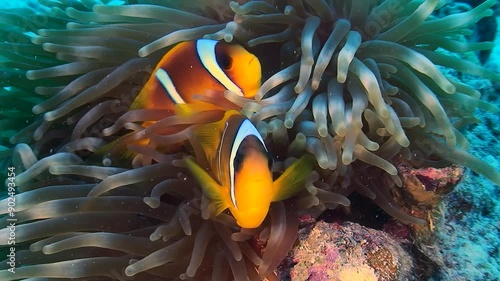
(347, 252)
(360, 85)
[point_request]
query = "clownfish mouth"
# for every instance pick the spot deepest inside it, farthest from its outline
(259, 182)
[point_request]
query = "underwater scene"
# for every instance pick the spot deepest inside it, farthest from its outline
(302, 140)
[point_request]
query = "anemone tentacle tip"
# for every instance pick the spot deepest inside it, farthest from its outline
(152, 202)
(130, 270)
(50, 116)
(37, 109)
(30, 74)
(144, 52)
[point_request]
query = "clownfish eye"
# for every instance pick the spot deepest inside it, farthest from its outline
(238, 162)
(224, 61)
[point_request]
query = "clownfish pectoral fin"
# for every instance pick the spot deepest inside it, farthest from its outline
(293, 178)
(210, 188)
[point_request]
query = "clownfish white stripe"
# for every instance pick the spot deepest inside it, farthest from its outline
(246, 129)
(206, 52)
(169, 86)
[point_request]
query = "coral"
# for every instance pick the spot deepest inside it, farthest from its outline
(354, 83)
(426, 187)
(466, 232)
(347, 252)
(467, 227)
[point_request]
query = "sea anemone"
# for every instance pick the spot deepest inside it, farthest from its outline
(354, 83)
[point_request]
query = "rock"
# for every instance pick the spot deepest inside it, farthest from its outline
(346, 252)
(423, 191)
(426, 187)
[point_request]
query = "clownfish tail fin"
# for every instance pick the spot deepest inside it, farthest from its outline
(189, 109)
(185, 109)
(293, 178)
(109, 152)
(210, 188)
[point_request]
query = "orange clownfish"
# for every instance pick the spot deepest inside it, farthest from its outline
(240, 165)
(195, 67)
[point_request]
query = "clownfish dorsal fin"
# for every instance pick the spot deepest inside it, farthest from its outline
(210, 188)
(208, 135)
(293, 178)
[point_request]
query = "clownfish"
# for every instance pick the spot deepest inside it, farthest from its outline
(196, 67)
(192, 68)
(241, 179)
